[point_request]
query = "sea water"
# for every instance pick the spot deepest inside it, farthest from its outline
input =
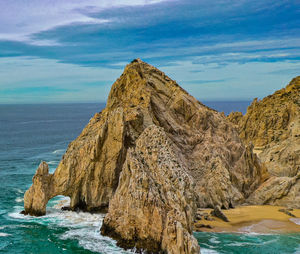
(31, 133)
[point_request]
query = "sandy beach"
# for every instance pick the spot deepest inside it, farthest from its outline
(252, 219)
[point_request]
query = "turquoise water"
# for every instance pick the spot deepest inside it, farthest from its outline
(31, 133)
(248, 243)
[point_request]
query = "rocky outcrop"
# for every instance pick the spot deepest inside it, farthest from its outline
(154, 204)
(225, 171)
(281, 191)
(208, 150)
(89, 171)
(272, 125)
(287, 212)
(40, 192)
(235, 117)
(217, 212)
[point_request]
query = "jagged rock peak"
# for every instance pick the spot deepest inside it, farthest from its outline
(137, 83)
(89, 171)
(272, 125)
(207, 148)
(295, 83)
(269, 123)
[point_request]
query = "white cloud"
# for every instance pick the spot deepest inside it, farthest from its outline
(233, 50)
(19, 19)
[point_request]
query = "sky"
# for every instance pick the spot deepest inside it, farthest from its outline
(54, 51)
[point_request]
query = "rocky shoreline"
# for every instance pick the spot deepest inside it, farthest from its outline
(155, 155)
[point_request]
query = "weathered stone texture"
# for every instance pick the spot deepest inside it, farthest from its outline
(272, 125)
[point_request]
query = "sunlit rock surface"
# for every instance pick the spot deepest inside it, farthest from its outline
(272, 125)
(215, 167)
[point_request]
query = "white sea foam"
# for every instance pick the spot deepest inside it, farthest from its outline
(52, 162)
(207, 251)
(247, 229)
(214, 240)
(92, 240)
(295, 220)
(297, 250)
(251, 230)
(4, 234)
(19, 200)
(247, 243)
(58, 151)
(16, 213)
(83, 227)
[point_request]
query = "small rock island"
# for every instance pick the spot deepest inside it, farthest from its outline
(155, 155)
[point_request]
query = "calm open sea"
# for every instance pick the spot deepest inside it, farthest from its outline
(31, 133)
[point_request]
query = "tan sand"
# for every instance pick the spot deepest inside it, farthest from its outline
(258, 219)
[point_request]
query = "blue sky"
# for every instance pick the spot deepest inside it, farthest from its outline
(72, 51)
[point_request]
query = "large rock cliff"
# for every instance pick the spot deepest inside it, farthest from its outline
(154, 205)
(272, 125)
(205, 152)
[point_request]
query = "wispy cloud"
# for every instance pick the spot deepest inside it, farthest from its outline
(84, 45)
(20, 20)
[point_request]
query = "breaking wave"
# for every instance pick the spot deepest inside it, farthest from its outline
(81, 226)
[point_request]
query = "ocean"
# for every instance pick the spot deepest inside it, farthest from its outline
(31, 133)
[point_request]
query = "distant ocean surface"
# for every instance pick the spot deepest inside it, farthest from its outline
(31, 133)
(228, 106)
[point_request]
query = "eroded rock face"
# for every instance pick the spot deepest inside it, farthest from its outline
(89, 171)
(36, 198)
(154, 204)
(272, 125)
(281, 191)
(208, 149)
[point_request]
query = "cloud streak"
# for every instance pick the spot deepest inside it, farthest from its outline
(55, 43)
(19, 19)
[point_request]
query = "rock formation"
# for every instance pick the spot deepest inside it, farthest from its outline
(39, 193)
(217, 212)
(154, 205)
(272, 125)
(205, 147)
